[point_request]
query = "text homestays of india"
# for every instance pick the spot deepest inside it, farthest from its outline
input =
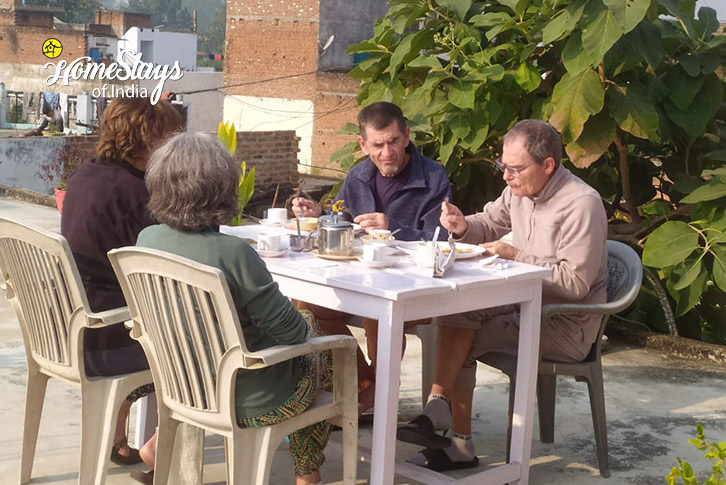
(128, 67)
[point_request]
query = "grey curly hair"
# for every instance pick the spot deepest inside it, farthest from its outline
(192, 182)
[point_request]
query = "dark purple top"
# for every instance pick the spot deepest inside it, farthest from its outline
(387, 186)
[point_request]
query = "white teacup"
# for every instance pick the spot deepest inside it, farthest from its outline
(425, 255)
(268, 242)
(382, 235)
(277, 216)
(375, 252)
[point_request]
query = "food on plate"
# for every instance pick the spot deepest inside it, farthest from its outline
(458, 251)
(249, 241)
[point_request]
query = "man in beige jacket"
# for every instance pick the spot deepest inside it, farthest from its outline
(557, 221)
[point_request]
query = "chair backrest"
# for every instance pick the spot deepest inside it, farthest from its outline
(625, 275)
(186, 321)
(45, 289)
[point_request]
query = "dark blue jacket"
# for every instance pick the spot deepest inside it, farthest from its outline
(414, 208)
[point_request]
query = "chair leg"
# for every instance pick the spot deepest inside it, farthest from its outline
(100, 402)
(427, 334)
(249, 458)
(166, 433)
(599, 421)
(510, 414)
(546, 388)
(187, 461)
(34, 397)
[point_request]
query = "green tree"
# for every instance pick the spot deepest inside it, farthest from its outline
(74, 11)
(168, 13)
(633, 86)
(213, 39)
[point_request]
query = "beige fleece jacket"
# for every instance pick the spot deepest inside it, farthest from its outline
(563, 228)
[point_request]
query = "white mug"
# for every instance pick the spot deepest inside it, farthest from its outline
(278, 216)
(425, 255)
(375, 251)
(268, 242)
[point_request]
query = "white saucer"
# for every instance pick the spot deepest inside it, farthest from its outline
(270, 254)
(386, 263)
(265, 222)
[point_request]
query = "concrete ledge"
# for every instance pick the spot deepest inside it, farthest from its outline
(678, 346)
(27, 195)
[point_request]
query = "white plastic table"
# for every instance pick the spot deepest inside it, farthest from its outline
(403, 293)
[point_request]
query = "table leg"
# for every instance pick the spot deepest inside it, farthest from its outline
(526, 382)
(388, 376)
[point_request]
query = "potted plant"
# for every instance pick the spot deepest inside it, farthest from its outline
(64, 161)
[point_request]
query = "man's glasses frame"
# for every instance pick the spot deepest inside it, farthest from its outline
(515, 171)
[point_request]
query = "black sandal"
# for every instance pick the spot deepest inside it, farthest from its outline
(421, 432)
(119, 459)
(439, 461)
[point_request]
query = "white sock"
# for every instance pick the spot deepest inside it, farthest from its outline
(462, 448)
(438, 410)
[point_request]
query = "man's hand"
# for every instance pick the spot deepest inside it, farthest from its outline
(504, 250)
(372, 220)
(452, 219)
(311, 208)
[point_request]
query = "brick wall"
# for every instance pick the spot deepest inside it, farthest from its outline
(25, 45)
(335, 105)
(272, 153)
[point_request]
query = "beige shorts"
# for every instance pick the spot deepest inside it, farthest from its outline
(497, 330)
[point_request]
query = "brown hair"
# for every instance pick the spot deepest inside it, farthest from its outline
(379, 115)
(132, 127)
(192, 183)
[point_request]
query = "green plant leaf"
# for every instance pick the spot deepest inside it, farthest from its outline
(657, 208)
(719, 172)
(633, 109)
(686, 299)
(674, 7)
(447, 147)
(574, 56)
(574, 99)
(600, 33)
(348, 129)
(425, 61)
(715, 189)
(459, 7)
(596, 137)
(461, 94)
(562, 23)
(628, 13)
(645, 39)
(348, 149)
(696, 118)
(409, 48)
(693, 271)
(669, 245)
(460, 126)
(527, 77)
(365, 46)
(707, 22)
(683, 88)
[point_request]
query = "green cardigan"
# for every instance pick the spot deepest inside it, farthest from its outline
(266, 315)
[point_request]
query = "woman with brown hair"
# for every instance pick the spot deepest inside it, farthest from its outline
(105, 208)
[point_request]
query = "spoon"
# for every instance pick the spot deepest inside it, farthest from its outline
(394, 232)
(436, 234)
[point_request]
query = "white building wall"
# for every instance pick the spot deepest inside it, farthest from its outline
(164, 47)
(249, 113)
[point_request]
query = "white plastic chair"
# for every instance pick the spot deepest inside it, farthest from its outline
(45, 289)
(184, 316)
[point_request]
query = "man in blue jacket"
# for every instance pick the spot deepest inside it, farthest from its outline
(395, 188)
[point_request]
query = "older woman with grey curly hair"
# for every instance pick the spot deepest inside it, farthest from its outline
(192, 182)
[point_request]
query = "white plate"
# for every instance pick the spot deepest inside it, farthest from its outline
(463, 251)
(408, 247)
(388, 262)
(265, 222)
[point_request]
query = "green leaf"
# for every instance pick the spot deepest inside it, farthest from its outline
(479, 131)
(461, 94)
(707, 22)
(447, 147)
(669, 245)
(646, 40)
(628, 13)
(633, 109)
(562, 23)
(719, 172)
(693, 271)
(459, 7)
(459, 125)
(574, 56)
(527, 77)
(696, 118)
(657, 207)
(690, 63)
(490, 19)
(686, 299)
(683, 88)
(685, 184)
(425, 61)
(348, 129)
(600, 34)
(596, 137)
(365, 46)
(574, 99)
(348, 149)
(684, 18)
(409, 48)
(713, 190)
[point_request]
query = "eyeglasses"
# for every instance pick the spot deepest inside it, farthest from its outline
(515, 171)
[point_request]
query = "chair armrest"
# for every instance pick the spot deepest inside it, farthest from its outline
(281, 353)
(109, 317)
(581, 309)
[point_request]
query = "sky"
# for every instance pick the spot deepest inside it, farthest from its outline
(718, 5)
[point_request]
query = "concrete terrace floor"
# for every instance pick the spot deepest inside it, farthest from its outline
(653, 401)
